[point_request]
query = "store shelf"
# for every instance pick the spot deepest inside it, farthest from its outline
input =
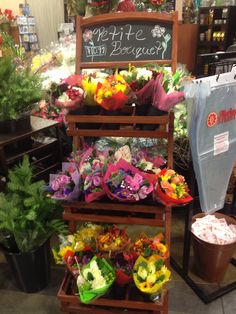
(42, 154)
(216, 19)
(125, 299)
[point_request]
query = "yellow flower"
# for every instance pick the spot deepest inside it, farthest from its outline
(63, 250)
(89, 85)
(161, 247)
(142, 272)
(151, 279)
(120, 88)
(107, 93)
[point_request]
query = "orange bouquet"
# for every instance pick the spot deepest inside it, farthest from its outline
(172, 189)
(112, 94)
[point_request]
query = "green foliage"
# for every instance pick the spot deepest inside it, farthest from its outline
(27, 216)
(8, 43)
(19, 89)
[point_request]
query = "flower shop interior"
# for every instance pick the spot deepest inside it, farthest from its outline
(117, 156)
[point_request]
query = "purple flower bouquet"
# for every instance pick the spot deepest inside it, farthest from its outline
(126, 183)
(92, 168)
(65, 185)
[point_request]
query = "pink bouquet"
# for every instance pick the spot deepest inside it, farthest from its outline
(126, 183)
(65, 185)
(92, 168)
(72, 96)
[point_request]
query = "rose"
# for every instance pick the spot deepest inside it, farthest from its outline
(167, 187)
(64, 179)
(55, 184)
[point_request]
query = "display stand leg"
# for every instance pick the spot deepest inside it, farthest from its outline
(72, 226)
(187, 227)
(183, 270)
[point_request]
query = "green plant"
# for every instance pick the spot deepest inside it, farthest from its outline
(19, 89)
(27, 216)
(182, 151)
(17, 51)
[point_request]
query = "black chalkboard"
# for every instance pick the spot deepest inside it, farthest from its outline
(127, 41)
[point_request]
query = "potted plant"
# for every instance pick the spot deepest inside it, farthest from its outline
(19, 90)
(6, 18)
(28, 218)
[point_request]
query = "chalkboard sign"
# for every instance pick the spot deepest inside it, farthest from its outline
(127, 42)
(130, 37)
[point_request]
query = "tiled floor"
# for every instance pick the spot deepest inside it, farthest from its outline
(182, 299)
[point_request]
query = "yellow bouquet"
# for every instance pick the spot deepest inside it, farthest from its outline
(89, 85)
(150, 274)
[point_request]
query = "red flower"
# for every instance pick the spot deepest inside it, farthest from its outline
(8, 12)
(69, 257)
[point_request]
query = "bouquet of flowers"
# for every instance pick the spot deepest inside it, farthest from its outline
(65, 185)
(147, 246)
(145, 161)
(46, 110)
(95, 279)
(126, 183)
(137, 78)
(92, 167)
(76, 250)
(171, 189)
(72, 96)
(113, 239)
(64, 253)
(124, 263)
(89, 232)
(150, 274)
(112, 93)
(89, 84)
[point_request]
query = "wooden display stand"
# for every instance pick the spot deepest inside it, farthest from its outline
(128, 299)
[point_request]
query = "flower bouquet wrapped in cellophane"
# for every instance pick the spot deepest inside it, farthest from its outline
(89, 84)
(95, 279)
(137, 78)
(148, 246)
(66, 184)
(113, 239)
(112, 94)
(150, 274)
(171, 189)
(92, 167)
(65, 251)
(72, 95)
(126, 183)
(89, 232)
(124, 263)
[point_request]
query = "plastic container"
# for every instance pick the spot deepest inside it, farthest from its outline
(212, 260)
(31, 270)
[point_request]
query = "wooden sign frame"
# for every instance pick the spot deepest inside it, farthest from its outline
(166, 18)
